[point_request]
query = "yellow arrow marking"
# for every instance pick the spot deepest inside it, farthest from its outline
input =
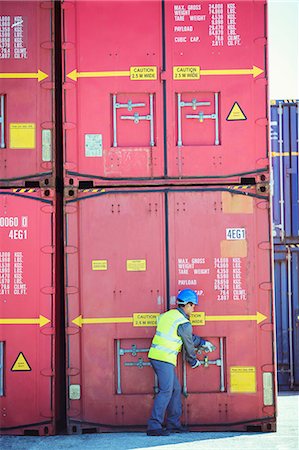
(39, 75)
(74, 75)
(202, 318)
(255, 71)
(258, 317)
(80, 320)
(41, 321)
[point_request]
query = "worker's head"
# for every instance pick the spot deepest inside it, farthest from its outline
(187, 299)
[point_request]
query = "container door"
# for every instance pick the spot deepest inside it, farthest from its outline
(286, 303)
(26, 92)
(284, 146)
(219, 246)
(115, 290)
(216, 88)
(113, 104)
(27, 312)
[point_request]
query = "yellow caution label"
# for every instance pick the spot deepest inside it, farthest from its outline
(186, 72)
(22, 135)
(136, 265)
(21, 364)
(242, 379)
(143, 73)
(236, 113)
(100, 264)
(145, 319)
(198, 318)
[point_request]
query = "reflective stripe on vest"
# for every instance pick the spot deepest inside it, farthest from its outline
(166, 342)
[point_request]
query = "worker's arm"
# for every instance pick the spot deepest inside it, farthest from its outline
(190, 342)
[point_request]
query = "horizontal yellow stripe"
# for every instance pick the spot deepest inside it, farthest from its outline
(284, 154)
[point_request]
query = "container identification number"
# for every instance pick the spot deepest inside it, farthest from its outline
(234, 234)
(18, 234)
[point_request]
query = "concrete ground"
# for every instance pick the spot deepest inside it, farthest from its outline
(286, 438)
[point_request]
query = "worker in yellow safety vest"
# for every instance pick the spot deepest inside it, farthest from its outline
(174, 330)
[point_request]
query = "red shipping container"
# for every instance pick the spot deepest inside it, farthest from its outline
(26, 91)
(127, 252)
(164, 90)
(27, 299)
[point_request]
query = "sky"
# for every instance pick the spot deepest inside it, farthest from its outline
(283, 41)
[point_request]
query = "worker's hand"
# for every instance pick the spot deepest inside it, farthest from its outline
(208, 347)
(196, 364)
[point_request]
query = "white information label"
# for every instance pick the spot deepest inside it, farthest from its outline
(235, 234)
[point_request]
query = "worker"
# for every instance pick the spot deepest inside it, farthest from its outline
(174, 330)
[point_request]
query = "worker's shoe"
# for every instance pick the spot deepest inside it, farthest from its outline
(158, 432)
(180, 429)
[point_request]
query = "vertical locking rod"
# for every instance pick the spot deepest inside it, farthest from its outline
(222, 386)
(216, 119)
(152, 139)
(290, 318)
(2, 143)
(118, 367)
(114, 122)
(179, 121)
(280, 141)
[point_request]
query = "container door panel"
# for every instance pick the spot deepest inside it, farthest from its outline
(227, 261)
(113, 104)
(211, 105)
(118, 279)
(27, 311)
(26, 94)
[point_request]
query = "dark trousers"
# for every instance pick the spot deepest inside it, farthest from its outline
(168, 400)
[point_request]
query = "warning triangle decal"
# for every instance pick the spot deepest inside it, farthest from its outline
(236, 113)
(21, 364)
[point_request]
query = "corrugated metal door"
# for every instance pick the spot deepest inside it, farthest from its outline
(285, 163)
(114, 270)
(26, 92)
(227, 262)
(216, 88)
(287, 315)
(27, 298)
(113, 97)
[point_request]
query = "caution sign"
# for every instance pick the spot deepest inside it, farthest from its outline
(198, 318)
(21, 364)
(236, 113)
(143, 73)
(186, 73)
(145, 319)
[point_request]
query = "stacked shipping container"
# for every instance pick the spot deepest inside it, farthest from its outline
(27, 219)
(285, 165)
(166, 171)
(162, 192)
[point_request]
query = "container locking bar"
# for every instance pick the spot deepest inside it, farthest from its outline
(140, 363)
(135, 117)
(2, 123)
(205, 363)
(200, 116)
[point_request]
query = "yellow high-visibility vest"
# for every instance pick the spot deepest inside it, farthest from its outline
(166, 343)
